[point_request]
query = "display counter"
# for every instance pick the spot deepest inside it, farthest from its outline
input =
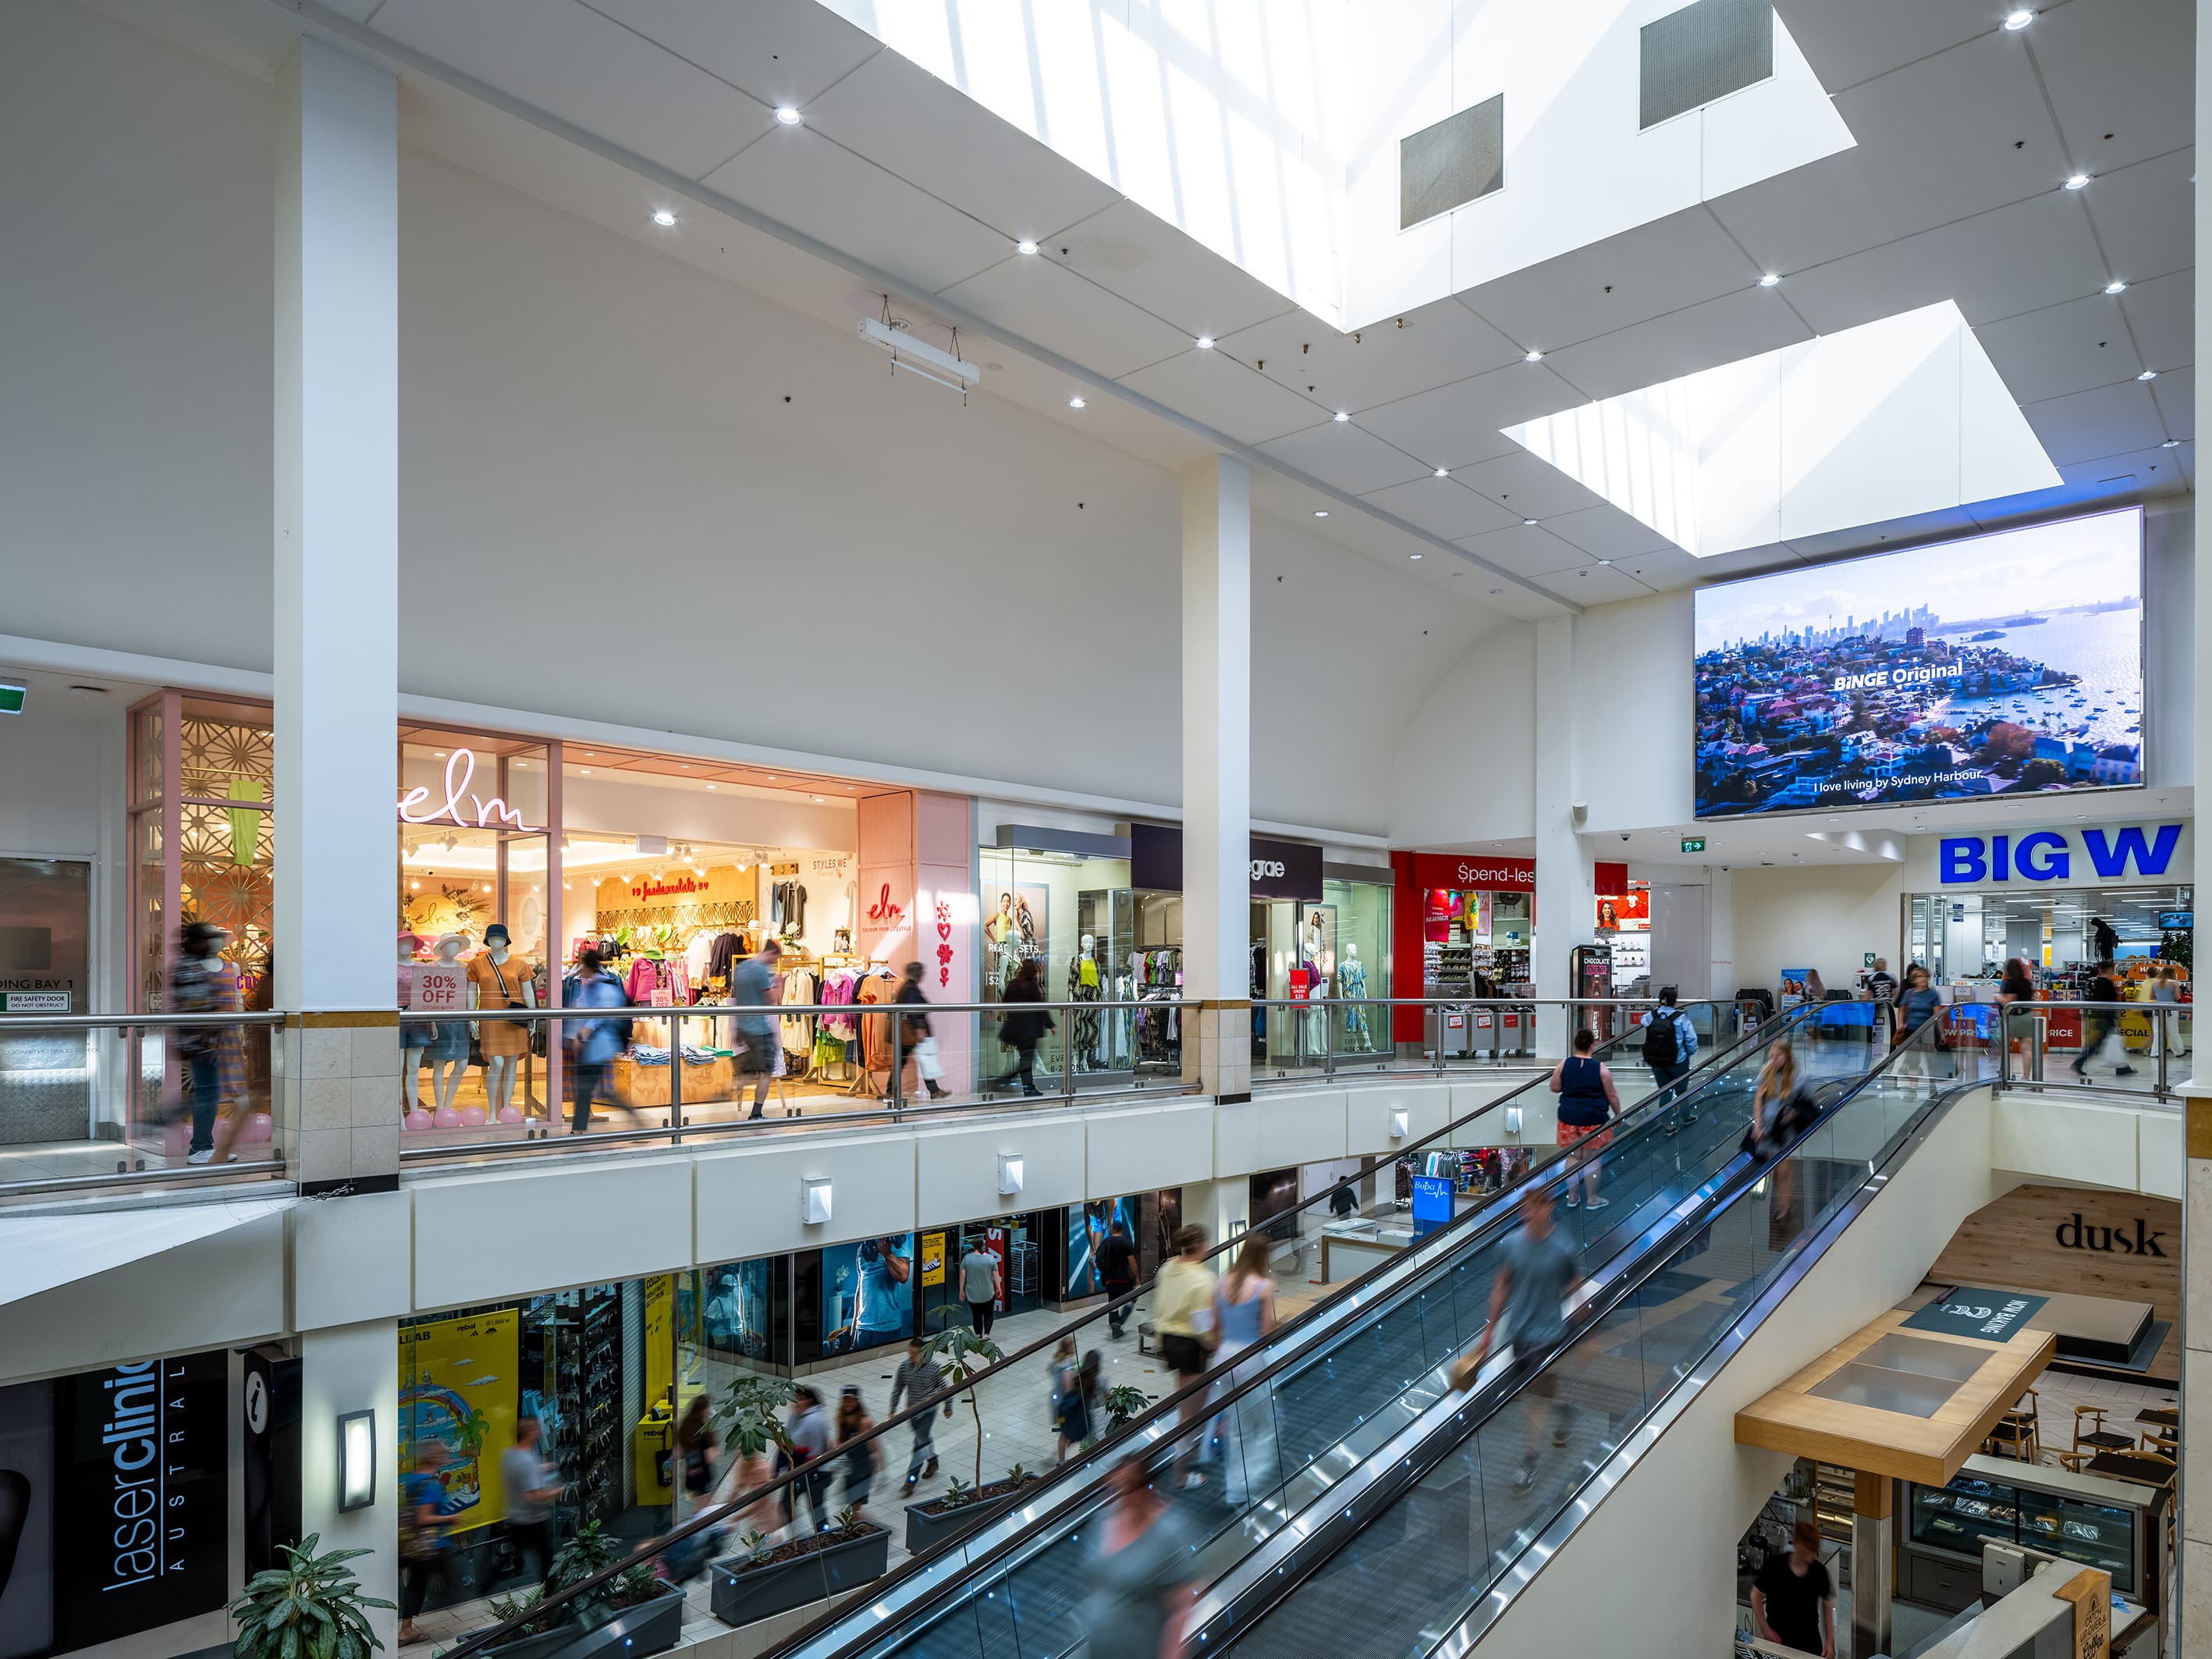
(2112, 1525)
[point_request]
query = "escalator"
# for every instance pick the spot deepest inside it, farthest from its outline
(1302, 1423)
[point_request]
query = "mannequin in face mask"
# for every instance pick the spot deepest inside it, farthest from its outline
(499, 978)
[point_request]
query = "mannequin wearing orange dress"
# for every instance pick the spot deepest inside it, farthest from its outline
(498, 978)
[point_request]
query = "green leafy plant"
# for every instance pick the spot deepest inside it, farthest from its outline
(963, 1356)
(958, 1492)
(750, 1416)
(850, 1522)
(1017, 1474)
(1123, 1404)
(756, 1546)
(310, 1608)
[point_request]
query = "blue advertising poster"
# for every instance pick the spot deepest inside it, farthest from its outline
(867, 1293)
(2010, 664)
(1432, 1203)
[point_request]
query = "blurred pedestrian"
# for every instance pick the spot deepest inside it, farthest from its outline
(1916, 1006)
(530, 1488)
(2101, 1025)
(1183, 1314)
(920, 1380)
(1071, 1418)
(213, 1056)
(594, 1044)
(1024, 1026)
(2166, 991)
(1669, 1040)
(1537, 1271)
(1117, 1272)
(1244, 1310)
(916, 1035)
(1793, 1601)
(808, 1431)
(1141, 1579)
(1881, 986)
(1589, 1103)
(859, 1453)
(425, 1551)
(695, 1450)
(753, 991)
(983, 1285)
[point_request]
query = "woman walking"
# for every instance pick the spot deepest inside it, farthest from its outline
(1024, 1026)
(1589, 1103)
(1140, 1575)
(1915, 1008)
(1245, 1309)
(858, 1454)
(1780, 1107)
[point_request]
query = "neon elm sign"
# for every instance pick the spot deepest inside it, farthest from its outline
(491, 813)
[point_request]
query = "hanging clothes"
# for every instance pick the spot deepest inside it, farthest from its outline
(787, 907)
(876, 989)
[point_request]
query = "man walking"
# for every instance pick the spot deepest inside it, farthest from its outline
(532, 1487)
(1881, 986)
(1117, 1272)
(752, 987)
(2099, 1023)
(1669, 1040)
(594, 1044)
(918, 1381)
(1536, 1273)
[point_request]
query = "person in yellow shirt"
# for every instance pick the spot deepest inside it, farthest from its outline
(1182, 1314)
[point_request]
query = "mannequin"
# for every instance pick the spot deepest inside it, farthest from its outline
(448, 1051)
(1351, 984)
(414, 1036)
(1312, 954)
(1083, 986)
(498, 978)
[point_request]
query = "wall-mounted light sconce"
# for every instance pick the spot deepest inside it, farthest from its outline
(357, 1461)
(1401, 1125)
(1513, 1119)
(814, 1202)
(1010, 1174)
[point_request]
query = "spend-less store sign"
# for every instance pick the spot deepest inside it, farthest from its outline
(1483, 873)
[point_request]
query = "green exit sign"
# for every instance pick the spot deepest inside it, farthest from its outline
(1694, 843)
(11, 699)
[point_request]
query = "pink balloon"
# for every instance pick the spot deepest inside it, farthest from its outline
(510, 1113)
(473, 1116)
(255, 1128)
(417, 1119)
(447, 1118)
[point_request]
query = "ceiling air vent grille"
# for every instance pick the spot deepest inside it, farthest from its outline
(1702, 53)
(1452, 163)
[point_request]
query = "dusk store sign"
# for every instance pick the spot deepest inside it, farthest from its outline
(2050, 855)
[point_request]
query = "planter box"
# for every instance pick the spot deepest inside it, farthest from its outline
(652, 1626)
(743, 1592)
(927, 1526)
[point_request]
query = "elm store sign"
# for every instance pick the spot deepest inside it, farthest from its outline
(483, 812)
(2056, 855)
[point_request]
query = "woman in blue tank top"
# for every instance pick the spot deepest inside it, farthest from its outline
(1588, 1104)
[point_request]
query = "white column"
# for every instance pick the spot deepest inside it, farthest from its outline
(2192, 1604)
(1216, 774)
(337, 525)
(1566, 897)
(344, 1369)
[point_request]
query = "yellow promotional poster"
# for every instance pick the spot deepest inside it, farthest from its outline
(457, 1387)
(932, 1258)
(660, 1339)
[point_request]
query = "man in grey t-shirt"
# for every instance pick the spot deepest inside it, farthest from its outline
(1537, 1271)
(980, 1286)
(752, 983)
(532, 1486)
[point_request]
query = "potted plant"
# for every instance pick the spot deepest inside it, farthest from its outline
(749, 1415)
(767, 1579)
(962, 1356)
(630, 1615)
(1123, 1403)
(311, 1605)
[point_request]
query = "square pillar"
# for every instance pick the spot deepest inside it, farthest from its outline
(346, 1369)
(1566, 895)
(1216, 776)
(336, 550)
(1874, 1545)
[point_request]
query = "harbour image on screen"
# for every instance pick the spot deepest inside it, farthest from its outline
(2006, 664)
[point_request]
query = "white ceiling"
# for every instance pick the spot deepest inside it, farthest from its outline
(1963, 133)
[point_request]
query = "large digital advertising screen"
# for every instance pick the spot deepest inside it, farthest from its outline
(2004, 664)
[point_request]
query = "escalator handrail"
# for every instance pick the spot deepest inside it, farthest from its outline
(1765, 1031)
(1269, 1576)
(1482, 1224)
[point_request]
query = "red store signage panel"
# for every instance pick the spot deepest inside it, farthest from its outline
(1486, 873)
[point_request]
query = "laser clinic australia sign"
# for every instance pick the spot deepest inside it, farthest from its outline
(2009, 664)
(2081, 855)
(120, 1487)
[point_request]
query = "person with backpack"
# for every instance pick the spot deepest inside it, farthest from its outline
(1669, 1040)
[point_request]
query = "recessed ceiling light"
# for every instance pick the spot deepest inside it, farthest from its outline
(1770, 280)
(1443, 472)
(786, 114)
(1528, 521)
(2016, 21)
(1025, 247)
(590, 754)
(2170, 443)
(437, 754)
(711, 786)
(2147, 374)
(1206, 343)
(817, 798)
(1343, 415)
(1605, 561)
(1412, 556)
(1075, 403)
(663, 217)
(1532, 357)
(2077, 181)
(2116, 286)
(1321, 513)
(585, 770)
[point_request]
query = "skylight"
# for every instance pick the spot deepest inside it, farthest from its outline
(1903, 415)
